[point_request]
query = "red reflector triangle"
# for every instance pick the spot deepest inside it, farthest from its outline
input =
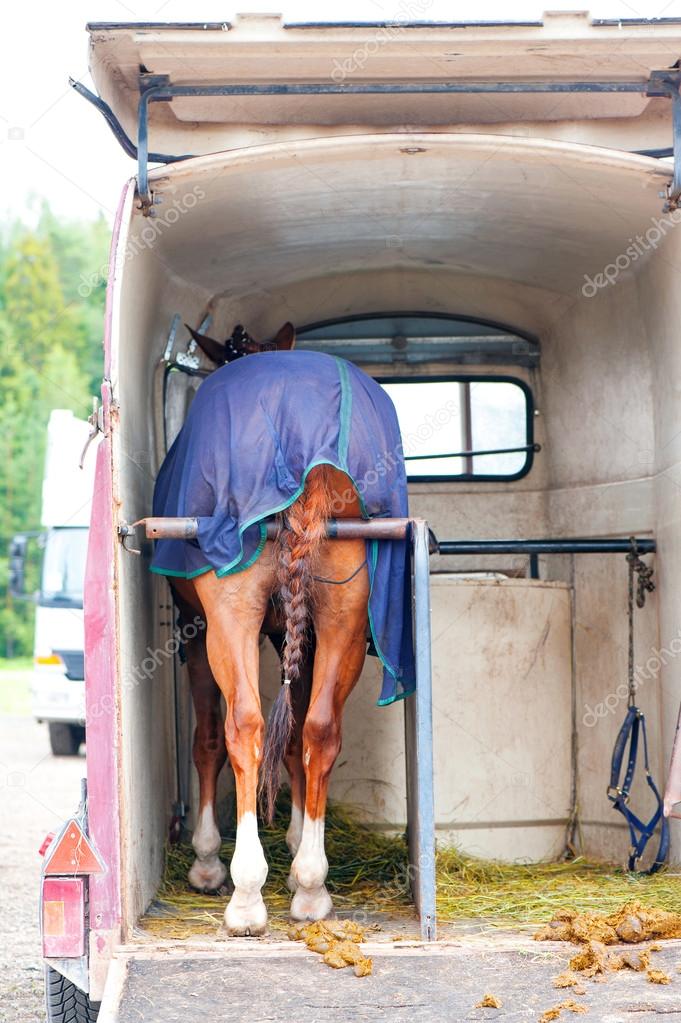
(72, 853)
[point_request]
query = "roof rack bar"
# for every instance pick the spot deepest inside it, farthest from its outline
(399, 23)
(659, 83)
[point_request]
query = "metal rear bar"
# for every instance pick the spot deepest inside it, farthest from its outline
(337, 529)
(397, 529)
(566, 545)
(418, 744)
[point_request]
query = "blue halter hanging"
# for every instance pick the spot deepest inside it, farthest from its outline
(640, 831)
(633, 728)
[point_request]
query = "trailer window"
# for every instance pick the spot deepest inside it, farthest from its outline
(64, 567)
(464, 428)
(454, 427)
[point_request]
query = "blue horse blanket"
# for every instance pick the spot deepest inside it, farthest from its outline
(255, 429)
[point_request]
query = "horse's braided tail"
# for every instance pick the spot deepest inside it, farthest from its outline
(298, 544)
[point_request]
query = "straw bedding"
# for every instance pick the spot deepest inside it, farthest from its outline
(368, 873)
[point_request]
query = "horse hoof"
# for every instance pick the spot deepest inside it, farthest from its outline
(246, 921)
(311, 904)
(207, 875)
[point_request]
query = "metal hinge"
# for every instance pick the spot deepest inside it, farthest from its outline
(96, 421)
(188, 360)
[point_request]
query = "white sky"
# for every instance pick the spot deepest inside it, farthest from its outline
(55, 145)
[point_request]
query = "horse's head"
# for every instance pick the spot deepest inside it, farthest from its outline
(240, 343)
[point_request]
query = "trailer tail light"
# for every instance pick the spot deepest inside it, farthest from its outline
(51, 659)
(63, 917)
(47, 842)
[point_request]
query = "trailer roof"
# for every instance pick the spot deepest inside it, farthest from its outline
(262, 50)
(537, 213)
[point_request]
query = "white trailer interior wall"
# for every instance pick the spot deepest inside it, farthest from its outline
(594, 390)
(494, 227)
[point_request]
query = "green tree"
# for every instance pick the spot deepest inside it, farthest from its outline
(50, 339)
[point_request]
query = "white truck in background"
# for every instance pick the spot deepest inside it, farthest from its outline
(58, 679)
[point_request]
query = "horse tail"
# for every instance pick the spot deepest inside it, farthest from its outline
(300, 537)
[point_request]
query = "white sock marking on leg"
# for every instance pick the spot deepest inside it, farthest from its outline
(207, 872)
(310, 866)
(206, 838)
(308, 870)
(246, 912)
(248, 867)
(295, 829)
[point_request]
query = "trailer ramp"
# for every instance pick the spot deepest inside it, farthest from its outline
(262, 980)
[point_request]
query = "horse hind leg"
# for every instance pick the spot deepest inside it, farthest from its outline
(235, 608)
(340, 621)
(208, 872)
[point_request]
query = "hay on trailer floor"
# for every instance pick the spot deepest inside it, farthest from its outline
(527, 894)
(369, 871)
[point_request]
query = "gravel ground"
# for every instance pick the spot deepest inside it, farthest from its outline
(38, 792)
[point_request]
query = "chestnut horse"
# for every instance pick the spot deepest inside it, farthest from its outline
(320, 631)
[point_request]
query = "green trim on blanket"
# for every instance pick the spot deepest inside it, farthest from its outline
(234, 567)
(396, 698)
(180, 575)
(345, 414)
(253, 558)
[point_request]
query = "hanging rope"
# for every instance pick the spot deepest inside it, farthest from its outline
(633, 728)
(644, 585)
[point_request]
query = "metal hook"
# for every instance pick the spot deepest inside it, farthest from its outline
(124, 531)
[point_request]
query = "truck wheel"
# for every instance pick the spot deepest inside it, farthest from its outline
(65, 739)
(65, 1002)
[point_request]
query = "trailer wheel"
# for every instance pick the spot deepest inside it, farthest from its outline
(65, 739)
(65, 1002)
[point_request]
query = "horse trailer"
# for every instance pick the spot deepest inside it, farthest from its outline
(482, 217)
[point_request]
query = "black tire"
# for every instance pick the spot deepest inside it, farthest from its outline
(65, 739)
(66, 1003)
